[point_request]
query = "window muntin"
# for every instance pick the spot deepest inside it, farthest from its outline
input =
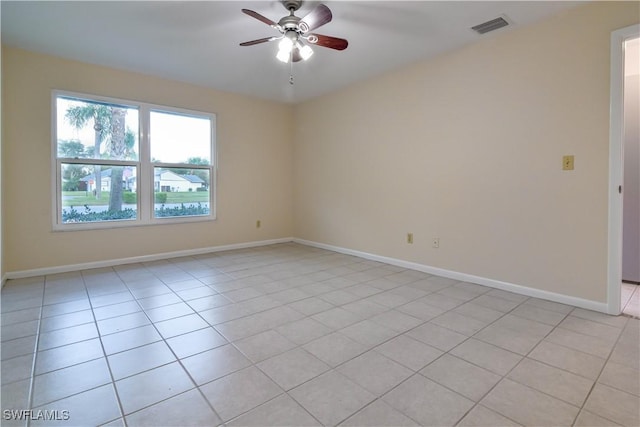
(106, 175)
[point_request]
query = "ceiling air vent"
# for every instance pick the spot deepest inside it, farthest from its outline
(494, 24)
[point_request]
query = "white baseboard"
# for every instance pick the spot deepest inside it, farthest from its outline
(144, 258)
(463, 277)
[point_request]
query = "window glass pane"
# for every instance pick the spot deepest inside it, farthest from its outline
(95, 130)
(92, 193)
(181, 192)
(177, 138)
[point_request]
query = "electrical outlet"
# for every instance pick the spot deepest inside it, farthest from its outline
(410, 238)
(258, 224)
(435, 243)
(567, 163)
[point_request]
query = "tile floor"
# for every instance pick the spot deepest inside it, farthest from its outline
(630, 294)
(294, 335)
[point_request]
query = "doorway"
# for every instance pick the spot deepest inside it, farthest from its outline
(623, 42)
(630, 302)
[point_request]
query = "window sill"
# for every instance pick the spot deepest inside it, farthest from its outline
(110, 225)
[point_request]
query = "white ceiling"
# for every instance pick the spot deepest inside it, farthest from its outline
(198, 42)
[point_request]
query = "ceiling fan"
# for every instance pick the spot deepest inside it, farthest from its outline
(296, 33)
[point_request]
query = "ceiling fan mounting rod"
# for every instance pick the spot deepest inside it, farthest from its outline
(292, 5)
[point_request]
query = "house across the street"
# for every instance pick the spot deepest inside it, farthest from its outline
(164, 180)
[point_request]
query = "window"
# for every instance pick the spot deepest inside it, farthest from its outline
(122, 163)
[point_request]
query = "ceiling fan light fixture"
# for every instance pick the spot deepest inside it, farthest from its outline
(305, 51)
(283, 55)
(284, 49)
(288, 40)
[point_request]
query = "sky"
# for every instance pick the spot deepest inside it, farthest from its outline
(174, 137)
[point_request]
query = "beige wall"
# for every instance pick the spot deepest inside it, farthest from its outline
(254, 177)
(468, 147)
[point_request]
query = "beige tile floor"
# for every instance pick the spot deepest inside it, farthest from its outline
(294, 335)
(630, 294)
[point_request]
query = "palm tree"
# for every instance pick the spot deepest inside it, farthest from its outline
(109, 127)
(78, 116)
(117, 150)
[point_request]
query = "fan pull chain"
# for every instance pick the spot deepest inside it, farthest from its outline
(291, 68)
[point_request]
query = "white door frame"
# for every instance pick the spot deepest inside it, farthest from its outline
(616, 145)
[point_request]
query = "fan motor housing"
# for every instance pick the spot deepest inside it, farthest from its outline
(289, 22)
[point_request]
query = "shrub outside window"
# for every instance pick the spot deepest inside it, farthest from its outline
(123, 163)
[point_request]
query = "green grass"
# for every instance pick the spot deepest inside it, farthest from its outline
(81, 198)
(188, 197)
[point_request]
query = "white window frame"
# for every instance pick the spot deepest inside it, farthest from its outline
(145, 168)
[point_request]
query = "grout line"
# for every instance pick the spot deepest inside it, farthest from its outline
(476, 403)
(231, 343)
(113, 384)
(595, 382)
(255, 258)
(184, 369)
(32, 377)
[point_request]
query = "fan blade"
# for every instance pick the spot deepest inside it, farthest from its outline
(264, 40)
(260, 17)
(316, 18)
(328, 41)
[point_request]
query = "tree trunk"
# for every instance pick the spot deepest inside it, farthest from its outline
(115, 197)
(96, 169)
(117, 149)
